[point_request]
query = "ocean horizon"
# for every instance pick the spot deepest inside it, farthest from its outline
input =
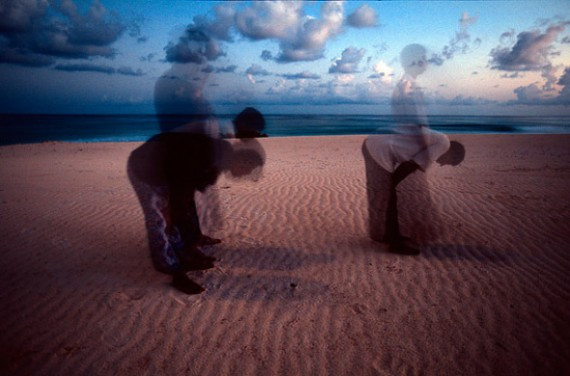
(15, 129)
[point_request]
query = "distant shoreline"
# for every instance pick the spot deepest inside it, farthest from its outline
(16, 129)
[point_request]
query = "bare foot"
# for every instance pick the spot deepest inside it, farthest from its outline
(182, 283)
(194, 259)
(206, 240)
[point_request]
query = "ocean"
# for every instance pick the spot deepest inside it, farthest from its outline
(15, 129)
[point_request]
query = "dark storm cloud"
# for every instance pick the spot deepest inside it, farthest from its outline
(34, 32)
(348, 62)
(530, 52)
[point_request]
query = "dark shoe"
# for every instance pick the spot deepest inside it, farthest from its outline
(184, 284)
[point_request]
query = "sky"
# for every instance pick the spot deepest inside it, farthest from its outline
(113, 57)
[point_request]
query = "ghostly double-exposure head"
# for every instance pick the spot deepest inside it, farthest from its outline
(413, 59)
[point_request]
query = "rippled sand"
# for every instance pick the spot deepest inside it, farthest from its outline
(299, 288)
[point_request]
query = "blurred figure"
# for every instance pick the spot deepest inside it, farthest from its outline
(389, 159)
(168, 170)
(187, 157)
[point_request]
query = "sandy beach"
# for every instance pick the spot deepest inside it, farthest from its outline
(299, 288)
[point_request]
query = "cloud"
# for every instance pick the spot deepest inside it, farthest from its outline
(148, 57)
(220, 26)
(38, 31)
(194, 46)
(466, 20)
(127, 71)
(508, 37)
(565, 40)
(311, 36)
(257, 70)
(134, 29)
(565, 78)
(88, 67)
(548, 72)
(266, 55)
(530, 93)
(300, 37)
(85, 68)
(461, 100)
(226, 69)
(348, 62)
(534, 95)
(363, 16)
(529, 53)
(17, 16)
(302, 75)
(512, 75)
(461, 43)
(383, 72)
(269, 19)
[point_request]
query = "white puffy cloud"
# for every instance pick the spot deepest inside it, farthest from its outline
(300, 37)
(383, 72)
(348, 62)
(269, 19)
(308, 41)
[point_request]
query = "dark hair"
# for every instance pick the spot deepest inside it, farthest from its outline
(249, 121)
(454, 155)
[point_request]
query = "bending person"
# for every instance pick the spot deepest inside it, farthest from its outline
(167, 171)
(391, 158)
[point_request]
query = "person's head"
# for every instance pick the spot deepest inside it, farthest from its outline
(249, 123)
(453, 156)
(413, 59)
